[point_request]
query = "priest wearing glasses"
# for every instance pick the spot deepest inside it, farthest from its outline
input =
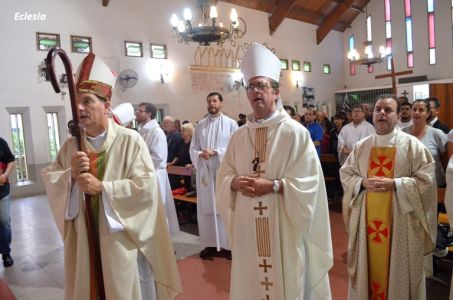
(272, 197)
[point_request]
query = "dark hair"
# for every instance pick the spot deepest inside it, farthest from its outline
(390, 96)
(406, 103)
(340, 116)
(215, 94)
(435, 100)
(242, 116)
(426, 103)
(150, 108)
(359, 106)
(291, 109)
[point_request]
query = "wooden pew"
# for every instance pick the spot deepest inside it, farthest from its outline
(181, 171)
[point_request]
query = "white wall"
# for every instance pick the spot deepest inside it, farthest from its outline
(146, 21)
(441, 70)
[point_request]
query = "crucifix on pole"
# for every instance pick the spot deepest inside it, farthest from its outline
(393, 74)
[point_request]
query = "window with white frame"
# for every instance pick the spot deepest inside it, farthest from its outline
(19, 147)
(54, 134)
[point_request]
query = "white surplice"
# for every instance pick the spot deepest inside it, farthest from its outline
(293, 250)
(210, 133)
(156, 141)
(350, 134)
(135, 246)
(414, 207)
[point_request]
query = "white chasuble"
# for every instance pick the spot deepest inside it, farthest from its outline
(413, 216)
(129, 184)
(281, 244)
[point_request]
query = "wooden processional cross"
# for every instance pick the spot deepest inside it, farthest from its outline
(393, 74)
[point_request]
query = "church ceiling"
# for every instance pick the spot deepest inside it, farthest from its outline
(326, 14)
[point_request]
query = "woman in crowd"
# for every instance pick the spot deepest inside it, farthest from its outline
(339, 120)
(434, 139)
(182, 157)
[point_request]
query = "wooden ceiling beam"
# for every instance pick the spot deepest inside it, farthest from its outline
(312, 17)
(279, 14)
(332, 19)
(353, 7)
(105, 3)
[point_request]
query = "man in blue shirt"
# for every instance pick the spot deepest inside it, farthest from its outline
(316, 131)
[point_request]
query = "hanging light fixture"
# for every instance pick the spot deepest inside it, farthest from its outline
(209, 30)
(369, 59)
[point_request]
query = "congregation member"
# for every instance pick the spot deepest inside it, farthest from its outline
(405, 118)
(173, 140)
(272, 196)
(434, 107)
(241, 120)
(128, 222)
(182, 158)
(7, 164)
(353, 132)
(156, 143)
(207, 150)
(339, 120)
(434, 139)
(315, 129)
(389, 210)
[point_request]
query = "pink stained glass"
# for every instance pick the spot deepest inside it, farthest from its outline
(410, 60)
(407, 6)
(387, 10)
(431, 31)
(351, 69)
(370, 69)
(389, 44)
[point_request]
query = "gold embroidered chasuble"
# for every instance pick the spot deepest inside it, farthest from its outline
(129, 182)
(281, 244)
(412, 224)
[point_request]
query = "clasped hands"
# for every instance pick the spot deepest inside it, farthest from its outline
(378, 184)
(207, 153)
(252, 186)
(88, 183)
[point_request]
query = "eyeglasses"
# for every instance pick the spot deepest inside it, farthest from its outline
(140, 111)
(259, 87)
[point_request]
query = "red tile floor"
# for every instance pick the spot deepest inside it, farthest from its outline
(210, 279)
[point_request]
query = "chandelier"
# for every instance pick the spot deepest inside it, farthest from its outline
(209, 30)
(369, 58)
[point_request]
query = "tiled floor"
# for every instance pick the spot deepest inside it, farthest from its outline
(37, 250)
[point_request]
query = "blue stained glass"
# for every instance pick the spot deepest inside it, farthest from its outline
(409, 34)
(351, 42)
(430, 5)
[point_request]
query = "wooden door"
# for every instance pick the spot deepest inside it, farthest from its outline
(444, 92)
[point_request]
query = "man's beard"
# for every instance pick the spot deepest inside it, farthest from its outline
(213, 110)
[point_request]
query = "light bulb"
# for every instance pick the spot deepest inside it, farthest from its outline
(234, 16)
(174, 20)
(213, 12)
(187, 14)
(181, 27)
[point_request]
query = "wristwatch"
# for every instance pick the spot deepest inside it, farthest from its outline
(276, 186)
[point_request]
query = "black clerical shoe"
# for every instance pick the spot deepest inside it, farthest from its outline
(7, 260)
(208, 252)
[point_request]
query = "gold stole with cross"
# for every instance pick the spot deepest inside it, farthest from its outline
(378, 220)
(97, 168)
(261, 216)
